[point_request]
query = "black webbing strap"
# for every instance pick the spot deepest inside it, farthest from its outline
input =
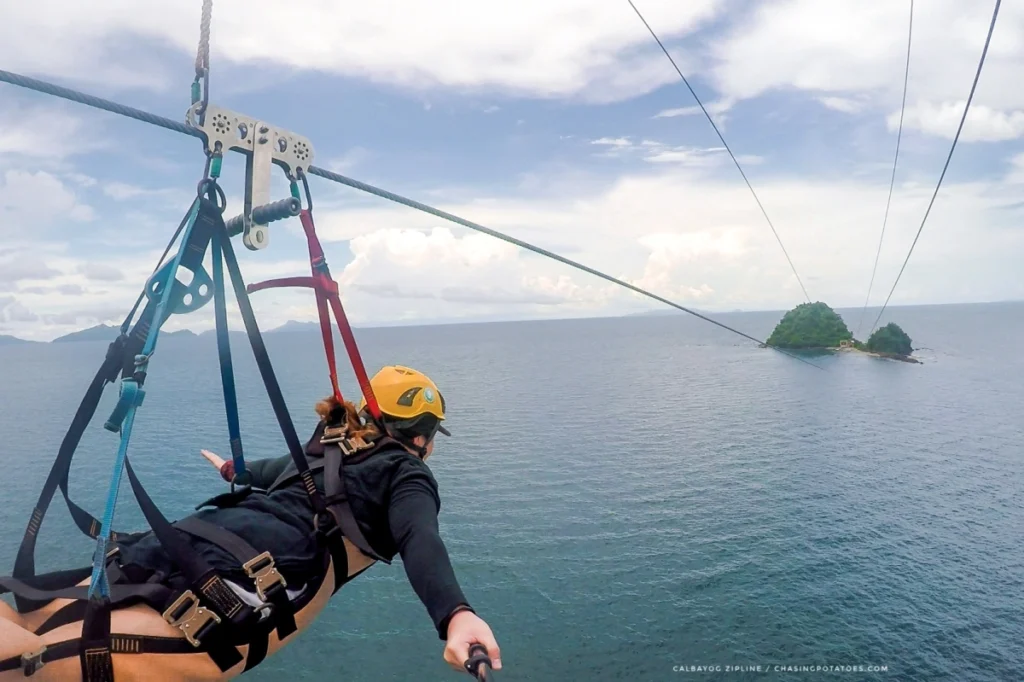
(324, 522)
(215, 594)
(262, 357)
(94, 647)
(288, 477)
(30, 662)
(153, 594)
(119, 351)
(337, 501)
(270, 586)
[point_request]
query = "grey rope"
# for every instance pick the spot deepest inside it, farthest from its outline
(974, 85)
(724, 144)
(203, 54)
(892, 180)
(146, 117)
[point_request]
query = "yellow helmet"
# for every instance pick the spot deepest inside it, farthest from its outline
(406, 395)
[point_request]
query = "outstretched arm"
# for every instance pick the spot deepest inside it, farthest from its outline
(413, 518)
(264, 471)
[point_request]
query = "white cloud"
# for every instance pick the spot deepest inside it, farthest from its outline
(612, 142)
(100, 272)
(1016, 173)
(43, 132)
(688, 238)
(438, 265)
(30, 201)
(348, 161)
(535, 48)
(12, 311)
(843, 104)
(850, 51)
(656, 152)
(668, 224)
(693, 239)
(941, 120)
(714, 108)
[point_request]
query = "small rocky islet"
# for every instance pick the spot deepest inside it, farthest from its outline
(815, 326)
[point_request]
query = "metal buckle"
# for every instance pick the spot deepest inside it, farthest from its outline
(334, 434)
(193, 619)
(354, 445)
(32, 662)
(261, 570)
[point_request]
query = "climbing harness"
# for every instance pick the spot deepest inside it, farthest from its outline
(209, 615)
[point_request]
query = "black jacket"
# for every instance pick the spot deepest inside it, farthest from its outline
(394, 498)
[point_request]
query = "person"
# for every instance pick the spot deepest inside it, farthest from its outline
(394, 501)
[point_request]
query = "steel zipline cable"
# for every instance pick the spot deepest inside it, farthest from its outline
(180, 127)
(726, 145)
(892, 180)
(963, 118)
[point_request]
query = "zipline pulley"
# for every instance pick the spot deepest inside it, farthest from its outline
(264, 145)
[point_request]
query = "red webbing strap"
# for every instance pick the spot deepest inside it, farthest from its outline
(326, 290)
(324, 314)
(308, 282)
(353, 353)
(320, 271)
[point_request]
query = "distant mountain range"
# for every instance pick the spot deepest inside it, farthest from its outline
(106, 332)
(101, 332)
(6, 340)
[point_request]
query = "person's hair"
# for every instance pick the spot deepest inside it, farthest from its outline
(330, 409)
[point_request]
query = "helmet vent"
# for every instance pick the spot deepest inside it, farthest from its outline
(406, 398)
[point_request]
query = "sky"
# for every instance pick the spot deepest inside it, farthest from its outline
(561, 124)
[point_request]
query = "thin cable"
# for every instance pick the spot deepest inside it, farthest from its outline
(892, 180)
(97, 102)
(974, 85)
(146, 117)
(726, 145)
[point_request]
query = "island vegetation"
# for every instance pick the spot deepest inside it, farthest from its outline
(810, 326)
(815, 326)
(890, 340)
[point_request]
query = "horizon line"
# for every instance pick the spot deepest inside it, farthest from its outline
(474, 321)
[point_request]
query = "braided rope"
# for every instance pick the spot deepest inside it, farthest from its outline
(203, 54)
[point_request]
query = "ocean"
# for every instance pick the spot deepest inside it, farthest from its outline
(640, 498)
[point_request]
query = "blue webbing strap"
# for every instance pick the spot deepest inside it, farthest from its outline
(123, 416)
(227, 375)
(113, 364)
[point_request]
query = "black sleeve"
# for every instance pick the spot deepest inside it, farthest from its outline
(265, 471)
(412, 515)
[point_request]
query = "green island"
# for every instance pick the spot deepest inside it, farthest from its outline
(815, 326)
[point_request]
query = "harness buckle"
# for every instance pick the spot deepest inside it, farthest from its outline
(266, 577)
(351, 446)
(33, 661)
(189, 616)
(334, 434)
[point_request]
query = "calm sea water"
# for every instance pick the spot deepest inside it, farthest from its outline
(622, 497)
